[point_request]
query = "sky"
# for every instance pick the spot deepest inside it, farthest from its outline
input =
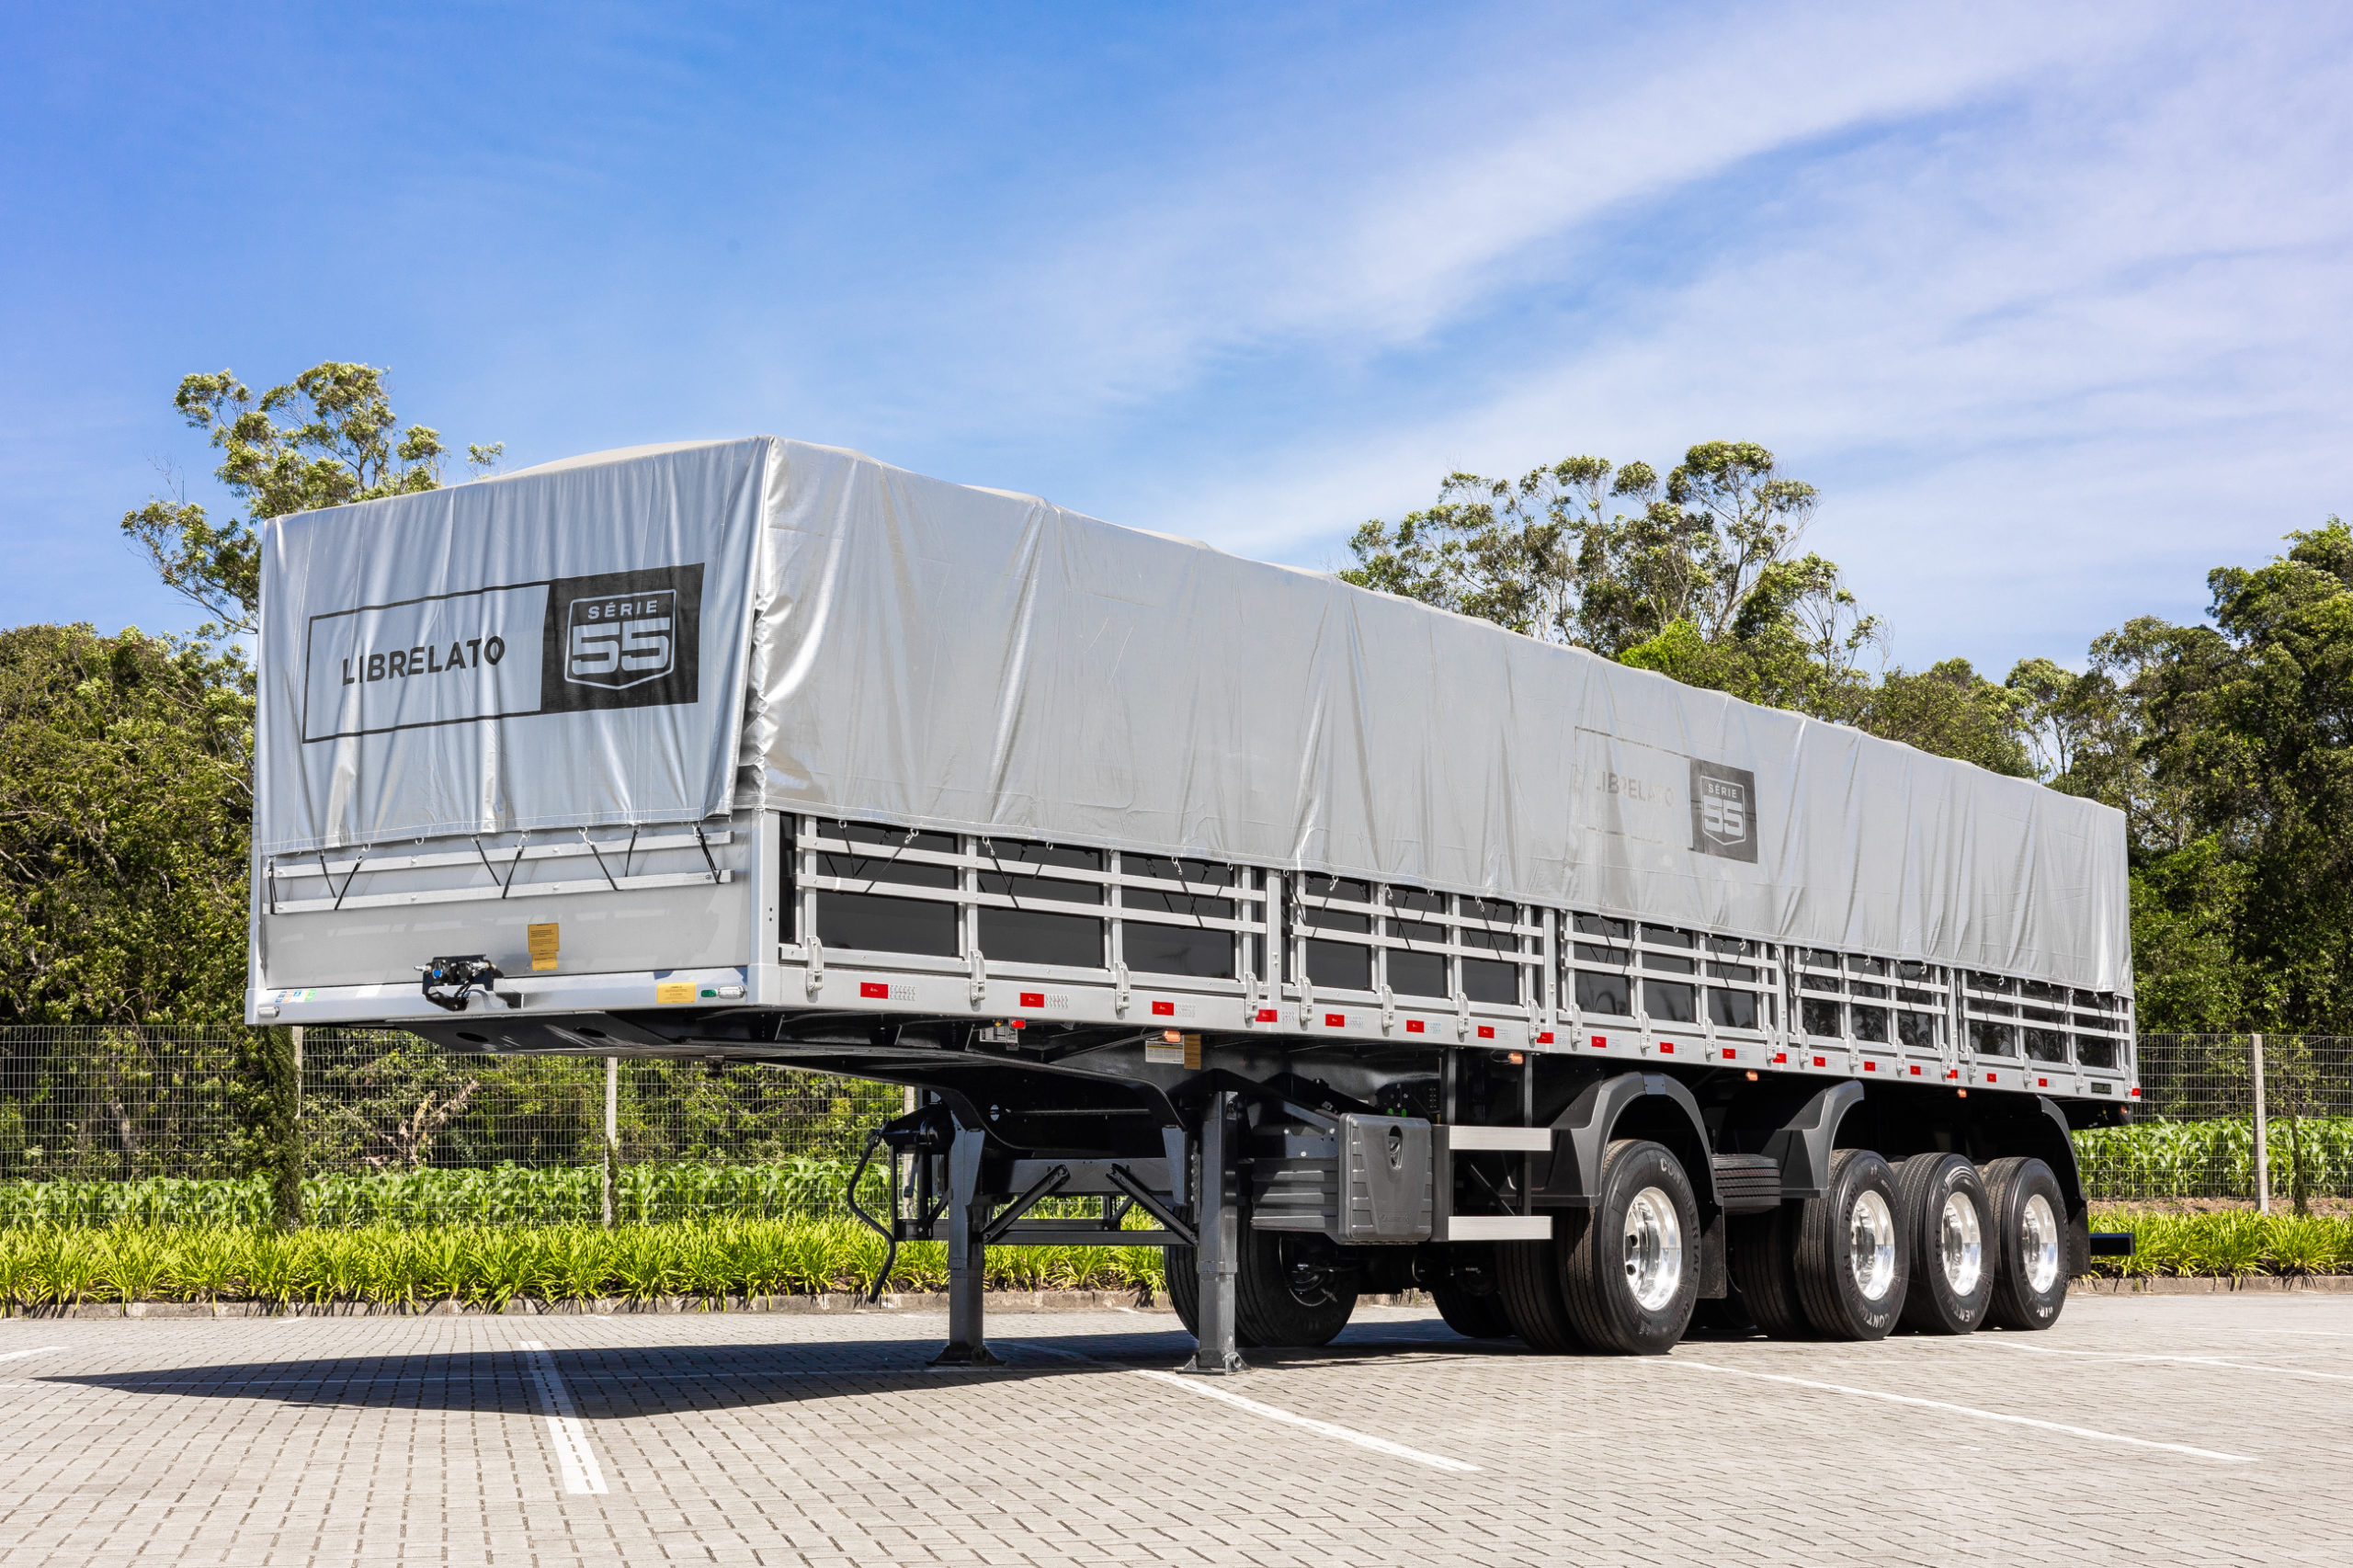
(2050, 302)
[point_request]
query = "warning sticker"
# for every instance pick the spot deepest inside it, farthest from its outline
(669, 991)
(542, 942)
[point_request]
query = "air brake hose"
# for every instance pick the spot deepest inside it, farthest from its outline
(890, 1234)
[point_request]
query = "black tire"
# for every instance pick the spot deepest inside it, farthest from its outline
(1630, 1275)
(1947, 1223)
(1467, 1299)
(1284, 1301)
(2032, 1244)
(1182, 1268)
(1527, 1284)
(1726, 1315)
(1764, 1270)
(1850, 1252)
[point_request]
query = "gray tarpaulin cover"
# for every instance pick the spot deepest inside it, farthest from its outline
(864, 641)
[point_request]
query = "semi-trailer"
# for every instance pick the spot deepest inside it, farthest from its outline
(1333, 942)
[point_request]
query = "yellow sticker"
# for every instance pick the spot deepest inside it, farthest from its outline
(543, 941)
(669, 991)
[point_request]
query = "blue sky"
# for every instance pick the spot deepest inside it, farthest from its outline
(2050, 301)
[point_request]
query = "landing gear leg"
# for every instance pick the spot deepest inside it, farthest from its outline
(967, 1254)
(1217, 1217)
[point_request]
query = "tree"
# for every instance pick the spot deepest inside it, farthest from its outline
(125, 812)
(338, 446)
(2249, 740)
(1694, 576)
(1949, 709)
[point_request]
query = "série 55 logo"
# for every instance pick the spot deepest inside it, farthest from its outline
(1723, 811)
(618, 641)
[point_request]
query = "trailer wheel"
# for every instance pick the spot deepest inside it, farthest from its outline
(1474, 1313)
(1527, 1284)
(1726, 1314)
(1764, 1269)
(1181, 1268)
(1630, 1271)
(2030, 1235)
(1284, 1299)
(1948, 1228)
(1850, 1252)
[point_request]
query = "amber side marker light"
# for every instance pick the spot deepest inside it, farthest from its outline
(1752, 1076)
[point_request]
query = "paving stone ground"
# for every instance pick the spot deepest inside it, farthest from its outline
(827, 1440)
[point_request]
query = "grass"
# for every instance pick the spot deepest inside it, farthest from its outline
(489, 1265)
(2226, 1245)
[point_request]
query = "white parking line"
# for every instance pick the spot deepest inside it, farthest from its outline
(1362, 1439)
(573, 1456)
(2185, 1360)
(1961, 1410)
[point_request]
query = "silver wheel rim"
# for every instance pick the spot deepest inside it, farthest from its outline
(1654, 1247)
(2038, 1244)
(1960, 1245)
(1870, 1245)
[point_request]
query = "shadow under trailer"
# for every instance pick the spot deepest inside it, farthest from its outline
(1333, 943)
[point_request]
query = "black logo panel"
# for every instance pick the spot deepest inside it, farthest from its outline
(621, 640)
(1723, 811)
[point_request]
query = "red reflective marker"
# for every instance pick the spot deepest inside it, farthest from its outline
(1033, 998)
(1164, 1010)
(1486, 1032)
(1413, 1026)
(875, 989)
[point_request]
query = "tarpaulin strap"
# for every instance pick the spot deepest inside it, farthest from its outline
(705, 844)
(357, 858)
(600, 859)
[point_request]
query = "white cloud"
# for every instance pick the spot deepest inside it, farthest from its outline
(2050, 363)
(1323, 230)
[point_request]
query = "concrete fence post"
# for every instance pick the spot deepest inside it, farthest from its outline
(2262, 1132)
(281, 1066)
(612, 1132)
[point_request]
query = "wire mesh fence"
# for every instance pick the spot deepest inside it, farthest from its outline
(98, 1124)
(2193, 1134)
(157, 1123)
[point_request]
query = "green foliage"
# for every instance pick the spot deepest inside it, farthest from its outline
(1949, 710)
(489, 1265)
(125, 811)
(2250, 730)
(1697, 579)
(339, 444)
(503, 1195)
(2188, 907)
(2227, 1246)
(2213, 1158)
